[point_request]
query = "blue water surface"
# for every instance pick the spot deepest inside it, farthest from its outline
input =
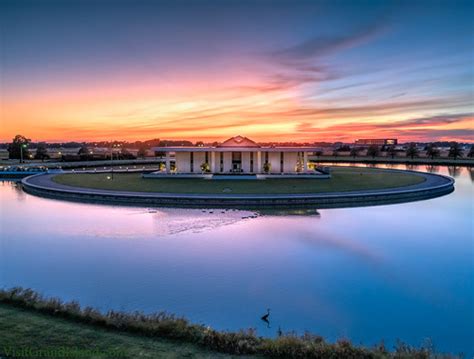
(403, 271)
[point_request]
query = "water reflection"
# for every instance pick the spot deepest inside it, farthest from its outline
(290, 212)
(432, 168)
(14, 187)
(413, 167)
(454, 171)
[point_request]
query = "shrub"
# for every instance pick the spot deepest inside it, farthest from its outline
(165, 325)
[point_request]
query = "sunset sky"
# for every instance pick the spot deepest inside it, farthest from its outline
(208, 70)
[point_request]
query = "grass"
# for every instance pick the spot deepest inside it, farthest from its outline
(342, 180)
(28, 320)
(22, 329)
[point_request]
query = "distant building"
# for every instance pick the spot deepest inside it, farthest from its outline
(377, 141)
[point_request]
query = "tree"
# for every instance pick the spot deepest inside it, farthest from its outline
(126, 155)
(392, 152)
(205, 167)
(83, 150)
(354, 151)
(141, 152)
(41, 152)
(471, 152)
(199, 144)
(373, 151)
(267, 167)
(432, 151)
(455, 150)
(18, 147)
(412, 151)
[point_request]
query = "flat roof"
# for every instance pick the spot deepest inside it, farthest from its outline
(234, 149)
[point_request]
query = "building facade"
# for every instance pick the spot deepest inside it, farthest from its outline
(237, 155)
(377, 141)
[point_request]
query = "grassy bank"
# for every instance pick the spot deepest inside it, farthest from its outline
(27, 320)
(23, 330)
(342, 180)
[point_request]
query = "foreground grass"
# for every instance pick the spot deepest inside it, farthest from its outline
(23, 331)
(343, 180)
(27, 320)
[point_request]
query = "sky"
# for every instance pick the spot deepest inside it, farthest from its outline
(207, 70)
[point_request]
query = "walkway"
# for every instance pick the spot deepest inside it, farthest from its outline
(433, 186)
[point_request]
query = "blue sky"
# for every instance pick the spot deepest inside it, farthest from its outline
(302, 70)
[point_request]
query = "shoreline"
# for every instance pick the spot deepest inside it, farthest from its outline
(164, 326)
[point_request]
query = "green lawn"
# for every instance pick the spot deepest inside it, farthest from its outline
(343, 179)
(24, 330)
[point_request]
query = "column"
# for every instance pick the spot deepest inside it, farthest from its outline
(305, 161)
(213, 162)
(167, 162)
(259, 163)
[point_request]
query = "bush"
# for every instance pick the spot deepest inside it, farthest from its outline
(165, 325)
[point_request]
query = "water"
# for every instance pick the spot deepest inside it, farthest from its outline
(386, 272)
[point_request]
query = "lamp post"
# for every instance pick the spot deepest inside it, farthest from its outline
(23, 145)
(112, 158)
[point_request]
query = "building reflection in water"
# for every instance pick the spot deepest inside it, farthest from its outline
(412, 167)
(16, 186)
(470, 170)
(454, 171)
(290, 212)
(432, 168)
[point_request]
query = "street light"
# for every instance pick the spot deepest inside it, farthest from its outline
(23, 145)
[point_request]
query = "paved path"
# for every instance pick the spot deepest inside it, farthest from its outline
(433, 186)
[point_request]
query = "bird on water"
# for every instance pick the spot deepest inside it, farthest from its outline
(265, 318)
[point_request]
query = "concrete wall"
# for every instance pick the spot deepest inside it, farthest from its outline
(227, 162)
(199, 159)
(274, 159)
(182, 162)
(289, 162)
(246, 161)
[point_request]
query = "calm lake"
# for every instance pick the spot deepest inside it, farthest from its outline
(368, 274)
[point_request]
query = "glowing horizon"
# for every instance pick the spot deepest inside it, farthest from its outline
(306, 71)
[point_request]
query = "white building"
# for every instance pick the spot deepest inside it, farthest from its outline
(237, 155)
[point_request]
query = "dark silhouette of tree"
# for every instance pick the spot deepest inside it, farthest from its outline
(267, 167)
(199, 144)
(126, 155)
(412, 151)
(471, 152)
(83, 150)
(354, 151)
(141, 152)
(19, 144)
(432, 151)
(373, 151)
(41, 152)
(455, 151)
(392, 152)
